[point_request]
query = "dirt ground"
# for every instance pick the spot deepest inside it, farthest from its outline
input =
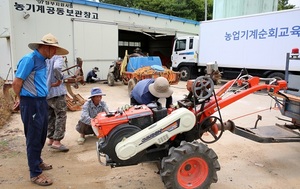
(244, 163)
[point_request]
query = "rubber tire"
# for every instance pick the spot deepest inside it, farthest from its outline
(277, 75)
(110, 79)
(131, 84)
(174, 176)
(185, 73)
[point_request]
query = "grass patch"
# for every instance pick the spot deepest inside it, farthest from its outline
(5, 104)
(11, 147)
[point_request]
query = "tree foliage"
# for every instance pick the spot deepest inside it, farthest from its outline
(170, 7)
(190, 9)
(284, 4)
(125, 3)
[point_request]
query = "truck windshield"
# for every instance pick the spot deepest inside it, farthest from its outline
(180, 45)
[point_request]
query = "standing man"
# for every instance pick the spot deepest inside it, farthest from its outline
(30, 85)
(57, 103)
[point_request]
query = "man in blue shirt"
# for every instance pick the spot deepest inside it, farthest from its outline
(150, 90)
(30, 86)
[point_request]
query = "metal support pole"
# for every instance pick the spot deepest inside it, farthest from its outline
(205, 10)
(287, 67)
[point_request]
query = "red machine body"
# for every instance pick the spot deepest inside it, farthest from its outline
(130, 127)
(108, 122)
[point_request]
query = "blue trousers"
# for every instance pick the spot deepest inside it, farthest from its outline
(34, 115)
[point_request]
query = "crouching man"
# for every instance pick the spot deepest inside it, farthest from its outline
(89, 111)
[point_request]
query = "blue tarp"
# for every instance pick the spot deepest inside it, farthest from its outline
(139, 62)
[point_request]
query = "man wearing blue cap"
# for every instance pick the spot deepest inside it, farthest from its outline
(90, 110)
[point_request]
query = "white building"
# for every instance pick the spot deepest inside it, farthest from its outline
(98, 33)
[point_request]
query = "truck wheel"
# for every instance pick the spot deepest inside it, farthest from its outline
(131, 84)
(110, 79)
(185, 73)
(277, 75)
(191, 165)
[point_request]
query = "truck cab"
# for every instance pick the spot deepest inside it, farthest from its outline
(257, 47)
(184, 56)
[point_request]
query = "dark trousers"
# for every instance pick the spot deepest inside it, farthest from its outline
(34, 115)
(83, 128)
(90, 80)
(133, 101)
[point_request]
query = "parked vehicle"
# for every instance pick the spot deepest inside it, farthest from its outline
(257, 43)
(133, 69)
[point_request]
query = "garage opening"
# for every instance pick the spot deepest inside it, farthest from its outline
(152, 44)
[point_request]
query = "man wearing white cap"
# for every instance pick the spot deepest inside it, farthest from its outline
(91, 77)
(151, 90)
(30, 85)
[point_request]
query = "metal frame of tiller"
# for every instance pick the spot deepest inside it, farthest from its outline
(288, 104)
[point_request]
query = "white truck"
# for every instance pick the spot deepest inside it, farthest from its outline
(258, 43)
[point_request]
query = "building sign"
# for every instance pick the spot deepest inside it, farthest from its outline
(275, 32)
(55, 7)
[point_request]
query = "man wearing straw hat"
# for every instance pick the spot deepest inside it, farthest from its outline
(30, 85)
(151, 90)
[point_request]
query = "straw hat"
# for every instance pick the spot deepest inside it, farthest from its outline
(160, 88)
(49, 40)
(96, 91)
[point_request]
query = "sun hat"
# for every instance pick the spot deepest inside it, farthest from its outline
(96, 69)
(49, 40)
(160, 88)
(96, 91)
(137, 50)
